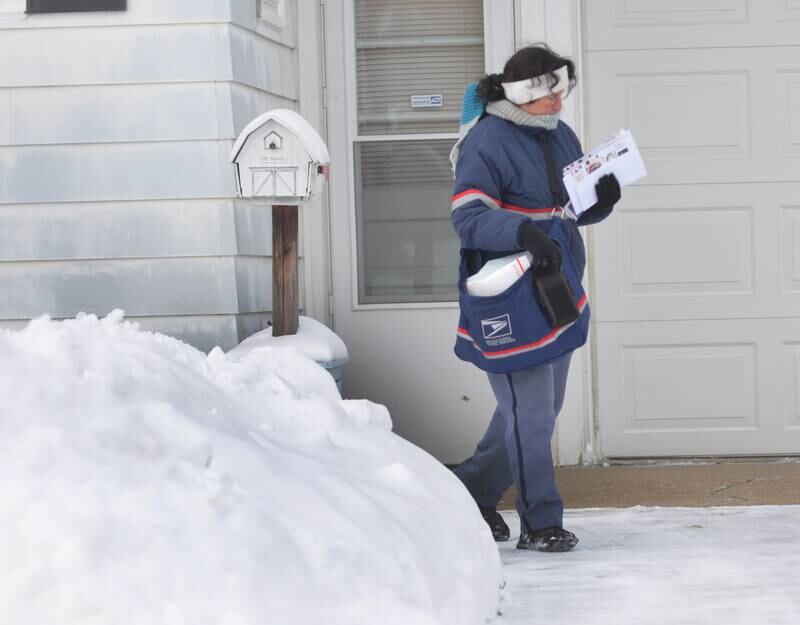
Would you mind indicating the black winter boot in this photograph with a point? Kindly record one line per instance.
(496, 523)
(550, 539)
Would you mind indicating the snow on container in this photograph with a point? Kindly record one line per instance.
(313, 338)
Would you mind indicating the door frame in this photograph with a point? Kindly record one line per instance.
(558, 23)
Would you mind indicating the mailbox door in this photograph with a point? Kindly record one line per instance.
(274, 181)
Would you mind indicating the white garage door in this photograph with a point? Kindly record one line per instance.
(697, 278)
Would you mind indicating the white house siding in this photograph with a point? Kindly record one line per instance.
(115, 185)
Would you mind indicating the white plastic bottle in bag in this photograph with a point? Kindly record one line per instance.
(498, 274)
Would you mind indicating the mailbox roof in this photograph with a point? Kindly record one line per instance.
(295, 122)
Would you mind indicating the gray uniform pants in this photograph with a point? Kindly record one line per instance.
(516, 445)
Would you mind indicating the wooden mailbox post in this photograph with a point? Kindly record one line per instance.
(284, 270)
(279, 158)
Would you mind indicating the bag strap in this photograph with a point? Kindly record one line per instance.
(555, 184)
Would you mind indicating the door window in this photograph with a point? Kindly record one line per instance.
(413, 60)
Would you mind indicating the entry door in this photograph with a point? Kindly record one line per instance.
(697, 275)
(395, 74)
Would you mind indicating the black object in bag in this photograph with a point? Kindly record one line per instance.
(556, 298)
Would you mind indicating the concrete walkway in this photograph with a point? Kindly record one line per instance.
(654, 566)
(712, 483)
(665, 543)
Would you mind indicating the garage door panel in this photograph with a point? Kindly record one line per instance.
(790, 249)
(788, 86)
(791, 385)
(702, 115)
(643, 24)
(690, 388)
(699, 388)
(699, 252)
(677, 12)
(717, 127)
(790, 9)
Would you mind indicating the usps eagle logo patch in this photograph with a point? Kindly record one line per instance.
(496, 327)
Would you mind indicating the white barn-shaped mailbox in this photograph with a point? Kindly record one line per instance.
(279, 156)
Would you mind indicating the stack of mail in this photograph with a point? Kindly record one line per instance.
(619, 155)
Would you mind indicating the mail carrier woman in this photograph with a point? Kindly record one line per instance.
(509, 199)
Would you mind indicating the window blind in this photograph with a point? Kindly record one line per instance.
(415, 48)
(410, 18)
(405, 162)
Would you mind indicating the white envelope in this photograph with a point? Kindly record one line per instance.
(619, 155)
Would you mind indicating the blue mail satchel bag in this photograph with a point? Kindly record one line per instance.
(511, 330)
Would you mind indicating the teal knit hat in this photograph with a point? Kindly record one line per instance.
(472, 109)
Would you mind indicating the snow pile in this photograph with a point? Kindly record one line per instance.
(313, 338)
(144, 482)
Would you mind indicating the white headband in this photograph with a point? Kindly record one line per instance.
(530, 89)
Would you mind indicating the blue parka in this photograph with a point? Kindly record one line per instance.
(502, 181)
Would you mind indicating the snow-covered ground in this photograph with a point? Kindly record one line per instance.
(145, 483)
(661, 566)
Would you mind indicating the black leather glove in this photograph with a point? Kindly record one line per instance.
(546, 255)
(608, 194)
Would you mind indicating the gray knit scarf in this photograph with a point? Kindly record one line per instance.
(511, 112)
